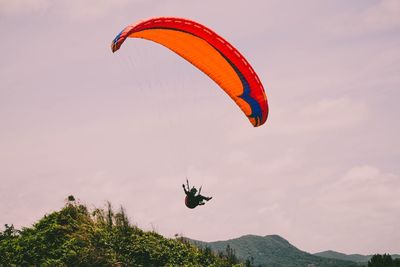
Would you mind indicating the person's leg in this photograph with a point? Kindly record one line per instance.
(204, 198)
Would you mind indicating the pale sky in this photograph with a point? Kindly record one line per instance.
(323, 172)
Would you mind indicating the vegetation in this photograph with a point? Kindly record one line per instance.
(75, 236)
(341, 256)
(352, 257)
(272, 250)
(384, 260)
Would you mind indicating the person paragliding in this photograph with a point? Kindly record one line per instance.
(194, 198)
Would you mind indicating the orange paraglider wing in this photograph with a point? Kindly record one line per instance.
(210, 53)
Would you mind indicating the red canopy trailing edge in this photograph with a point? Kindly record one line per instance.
(210, 53)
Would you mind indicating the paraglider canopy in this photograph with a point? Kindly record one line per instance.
(210, 53)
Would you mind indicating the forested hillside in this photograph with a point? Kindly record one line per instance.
(272, 250)
(77, 236)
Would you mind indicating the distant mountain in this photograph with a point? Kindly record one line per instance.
(272, 251)
(351, 257)
(341, 256)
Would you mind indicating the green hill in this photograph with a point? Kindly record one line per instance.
(272, 251)
(351, 257)
(75, 236)
(341, 256)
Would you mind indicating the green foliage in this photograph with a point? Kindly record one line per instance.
(361, 259)
(270, 250)
(341, 256)
(74, 236)
(384, 260)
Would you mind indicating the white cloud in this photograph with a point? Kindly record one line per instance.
(384, 15)
(93, 8)
(381, 16)
(363, 188)
(323, 115)
(12, 7)
(361, 204)
(75, 9)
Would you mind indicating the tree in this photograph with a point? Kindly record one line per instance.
(378, 260)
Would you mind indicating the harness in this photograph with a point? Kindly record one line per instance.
(191, 202)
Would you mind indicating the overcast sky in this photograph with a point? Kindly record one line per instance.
(323, 172)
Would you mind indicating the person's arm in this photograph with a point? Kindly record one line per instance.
(184, 189)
